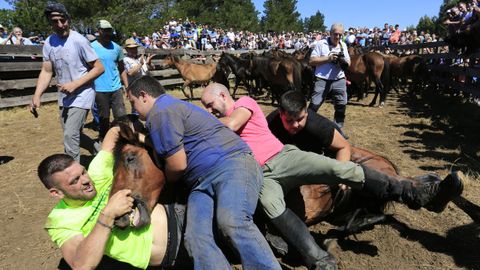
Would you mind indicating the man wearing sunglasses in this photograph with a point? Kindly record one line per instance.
(330, 58)
(76, 66)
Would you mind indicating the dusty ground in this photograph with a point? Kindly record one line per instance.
(416, 136)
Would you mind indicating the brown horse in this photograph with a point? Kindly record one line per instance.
(135, 170)
(191, 72)
(367, 67)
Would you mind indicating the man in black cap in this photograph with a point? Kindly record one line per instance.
(76, 66)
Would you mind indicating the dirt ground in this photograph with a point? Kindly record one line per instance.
(419, 135)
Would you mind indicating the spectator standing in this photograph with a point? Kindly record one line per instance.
(76, 66)
(136, 66)
(385, 34)
(329, 75)
(395, 36)
(108, 86)
(16, 38)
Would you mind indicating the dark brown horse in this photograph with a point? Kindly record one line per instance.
(134, 169)
(240, 68)
(369, 67)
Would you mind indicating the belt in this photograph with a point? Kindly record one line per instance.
(318, 78)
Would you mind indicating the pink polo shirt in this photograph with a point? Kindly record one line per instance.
(256, 133)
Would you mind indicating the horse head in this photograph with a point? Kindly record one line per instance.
(134, 169)
(169, 61)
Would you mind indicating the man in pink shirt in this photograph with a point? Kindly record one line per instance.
(286, 167)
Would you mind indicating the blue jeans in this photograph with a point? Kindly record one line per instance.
(228, 192)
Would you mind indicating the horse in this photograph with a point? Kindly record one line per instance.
(140, 170)
(134, 169)
(191, 72)
(240, 68)
(280, 74)
(366, 67)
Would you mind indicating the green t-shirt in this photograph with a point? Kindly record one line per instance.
(63, 222)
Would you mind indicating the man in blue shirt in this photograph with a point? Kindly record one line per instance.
(218, 168)
(108, 86)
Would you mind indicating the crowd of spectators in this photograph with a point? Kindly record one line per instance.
(186, 34)
(462, 16)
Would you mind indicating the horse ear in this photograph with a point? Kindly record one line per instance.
(126, 132)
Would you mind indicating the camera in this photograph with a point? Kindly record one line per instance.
(341, 61)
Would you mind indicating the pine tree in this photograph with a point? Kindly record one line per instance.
(281, 15)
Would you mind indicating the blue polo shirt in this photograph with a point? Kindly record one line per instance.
(109, 81)
(207, 142)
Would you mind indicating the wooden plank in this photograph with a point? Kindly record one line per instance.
(456, 70)
(21, 50)
(25, 100)
(164, 73)
(168, 82)
(20, 66)
(473, 90)
(21, 84)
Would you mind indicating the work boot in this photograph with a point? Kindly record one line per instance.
(448, 189)
(433, 194)
(296, 233)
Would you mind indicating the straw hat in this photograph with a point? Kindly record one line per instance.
(130, 43)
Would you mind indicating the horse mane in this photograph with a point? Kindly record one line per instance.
(127, 136)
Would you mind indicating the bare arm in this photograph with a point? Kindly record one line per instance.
(237, 119)
(341, 146)
(43, 82)
(175, 165)
(97, 70)
(86, 252)
(123, 73)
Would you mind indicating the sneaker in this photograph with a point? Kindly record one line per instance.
(448, 189)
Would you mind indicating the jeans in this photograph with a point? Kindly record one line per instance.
(72, 120)
(105, 101)
(339, 96)
(228, 193)
(291, 168)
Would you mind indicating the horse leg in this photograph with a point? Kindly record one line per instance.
(237, 82)
(191, 91)
(183, 90)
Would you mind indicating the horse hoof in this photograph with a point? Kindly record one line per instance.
(381, 105)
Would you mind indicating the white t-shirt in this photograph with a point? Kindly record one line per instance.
(130, 63)
(329, 71)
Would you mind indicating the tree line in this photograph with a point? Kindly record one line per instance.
(146, 16)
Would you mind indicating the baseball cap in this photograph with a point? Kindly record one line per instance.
(104, 24)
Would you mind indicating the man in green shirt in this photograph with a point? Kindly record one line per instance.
(82, 222)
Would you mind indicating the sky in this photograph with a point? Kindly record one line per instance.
(359, 13)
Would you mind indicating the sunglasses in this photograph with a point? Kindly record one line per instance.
(58, 20)
(337, 34)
